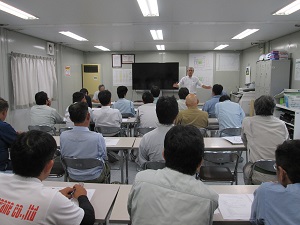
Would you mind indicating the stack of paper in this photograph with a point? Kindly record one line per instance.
(235, 140)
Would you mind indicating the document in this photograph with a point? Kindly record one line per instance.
(90, 192)
(111, 141)
(124, 120)
(235, 140)
(235, 206)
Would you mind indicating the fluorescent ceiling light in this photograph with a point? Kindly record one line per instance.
(102, 48)
(221, 47)
(16, 12)
(157, 34)
(160, 47)
(245, 33)
(72, 35)
(289, 9)
(149, 7)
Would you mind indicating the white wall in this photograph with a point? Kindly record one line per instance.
(230, 80)
(11, 41)
(289, 43)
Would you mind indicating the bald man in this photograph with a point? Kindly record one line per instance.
(192, 115)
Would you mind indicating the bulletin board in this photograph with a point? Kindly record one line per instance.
(203, 64)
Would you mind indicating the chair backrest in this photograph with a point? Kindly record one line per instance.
(203, 132)
(154, 165)
(108, 131)
(265, 166)
(143, 130)
(57, 169)
(82, 163)
(44, 128)
(64, 129)
(236, 131)
(127, 115)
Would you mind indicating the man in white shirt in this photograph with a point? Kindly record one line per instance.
(26, 200)
(77, 97)
(147, 113)
(190, 82)
(172, 195)
(152, 143)
(106, 116)
(182, 93)
(42, 113)
(95, 98)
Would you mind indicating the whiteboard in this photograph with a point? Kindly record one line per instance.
(203, 64)
(228, 62)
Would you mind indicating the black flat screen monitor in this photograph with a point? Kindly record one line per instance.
(163, 75)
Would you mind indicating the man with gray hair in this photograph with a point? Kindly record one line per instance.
(261, 135)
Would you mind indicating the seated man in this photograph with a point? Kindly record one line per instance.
(80, 142)
(209, 106)
(123, 105)
(42, 113)
(182, 93)
(152, 143)
(173, 195)
(76, 97)
(261, 134)
(87, 97)
(7, 136)
(192, 115)
(95, 99)
(27, 200)
(106, 116)
(229, 114)
(146, 114)
(155, 91)
(278, 203)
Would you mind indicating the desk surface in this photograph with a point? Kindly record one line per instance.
(211, 144)
(102, 199)
(123, 143)
(119, 212)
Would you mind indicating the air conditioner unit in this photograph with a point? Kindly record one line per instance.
(91, 77)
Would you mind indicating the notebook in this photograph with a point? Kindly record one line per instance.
(235, 140)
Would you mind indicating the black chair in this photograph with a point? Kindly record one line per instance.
(264, 166)
(220, 172)
(203, 132)
(141, 131)
(127, 115)
(57, 169)
(227, 132)
(154, 165)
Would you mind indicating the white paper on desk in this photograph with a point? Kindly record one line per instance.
(124, 120)
(90, 192)
(111, 141)
(235, 140)
(235, 206)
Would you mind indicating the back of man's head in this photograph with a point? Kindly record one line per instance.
(217, 89)
(288, 157)
(166, 110)
(31, 152)
(183, 92)
(3, 105)
(264, 105)
(191, 101)
(78, 112)
(84, 91)
(122, 91)
(155, 91)
(183, 149)
(224, 98)
(147, 97)
(104, 97)
(78, 96)
(41, 98)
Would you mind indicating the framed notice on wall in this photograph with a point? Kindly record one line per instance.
(116, 61)
(128, 59)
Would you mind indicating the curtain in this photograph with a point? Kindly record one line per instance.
(31, 74)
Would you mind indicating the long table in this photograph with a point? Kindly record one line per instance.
(120, 214)
(102, 199)
(124, 144)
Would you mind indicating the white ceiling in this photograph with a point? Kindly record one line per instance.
(120, 26)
